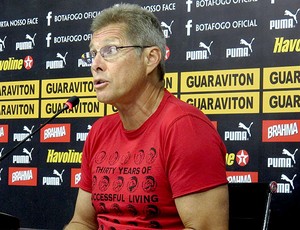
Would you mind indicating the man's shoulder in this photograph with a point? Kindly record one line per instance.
(178, 107)
(175, 109)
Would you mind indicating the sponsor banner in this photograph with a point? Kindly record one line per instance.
(281, 101)
(284, 77)
(52, 17)
(24, 158)
(280, 131)
(242, 49)
(63, 157)
(55, 133)
(20, 136)
(242, 177)
(19, 90)
(285, 23)
(224, 103)
(286, 183)
(60, 39)
(171, 82)
(286, 160)
(56, 179)
(81, 136)
(22, 176)
(3, 134)
(241, 158)
(75, 177)
(284, 45)
(27, 44)
(161, 7)
(206, 3)
(67, 87)
(221, 25)
(19, 109)
(243, 134)
(87, 107)
(220, 80)
(14, 64)
(19, 22)
(111, 109)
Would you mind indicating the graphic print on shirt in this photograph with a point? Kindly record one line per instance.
(123, 184)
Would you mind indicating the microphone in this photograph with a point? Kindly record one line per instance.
(69, 104)
(72, 102)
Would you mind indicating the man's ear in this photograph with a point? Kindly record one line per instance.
(153, 58)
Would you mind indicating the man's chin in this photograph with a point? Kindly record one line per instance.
(103, 99)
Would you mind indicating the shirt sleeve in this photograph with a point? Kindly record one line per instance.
(195, 156)
(86, 180)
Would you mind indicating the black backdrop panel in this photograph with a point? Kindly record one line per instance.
(248, 49)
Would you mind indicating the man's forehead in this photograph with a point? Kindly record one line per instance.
(115, 28)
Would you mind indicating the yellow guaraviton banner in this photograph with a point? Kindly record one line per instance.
(67, 87)
(19, 90)
(287, 101)
(87, 107)
(19, 109)
(285, 77)
(171, 82)
(111, 109)
(224, 103)
(220, 80)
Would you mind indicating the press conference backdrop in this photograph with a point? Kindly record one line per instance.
(236, 60)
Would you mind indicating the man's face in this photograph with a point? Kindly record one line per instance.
(119, 78)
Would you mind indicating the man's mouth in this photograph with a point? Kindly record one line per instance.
(99, 82)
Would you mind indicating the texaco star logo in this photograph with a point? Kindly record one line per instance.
(28, 62)
(168, 53)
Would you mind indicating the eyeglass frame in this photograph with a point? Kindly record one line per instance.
(93, 53)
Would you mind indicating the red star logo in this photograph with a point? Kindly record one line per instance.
(168, 53)
(242, 157)
(28, 62)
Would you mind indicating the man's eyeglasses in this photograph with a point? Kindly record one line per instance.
(106, 52)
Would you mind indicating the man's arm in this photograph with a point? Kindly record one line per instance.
(207, 210)
(84, 217)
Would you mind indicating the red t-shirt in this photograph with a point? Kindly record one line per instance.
(134, 176)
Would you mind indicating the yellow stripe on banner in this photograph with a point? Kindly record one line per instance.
(19, 109)
(68, 87)
(171, 82)
(281, 77)
(19, 90)
(224, 103)
(220, 80)
(281, 101)
(87, 107)
(111, 109)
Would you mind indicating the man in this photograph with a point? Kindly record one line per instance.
(157, 163)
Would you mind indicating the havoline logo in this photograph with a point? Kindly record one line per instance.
(283, 45)
(12, 63)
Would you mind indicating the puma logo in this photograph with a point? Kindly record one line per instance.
(290, 14)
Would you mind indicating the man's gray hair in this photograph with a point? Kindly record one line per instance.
(142, 27)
